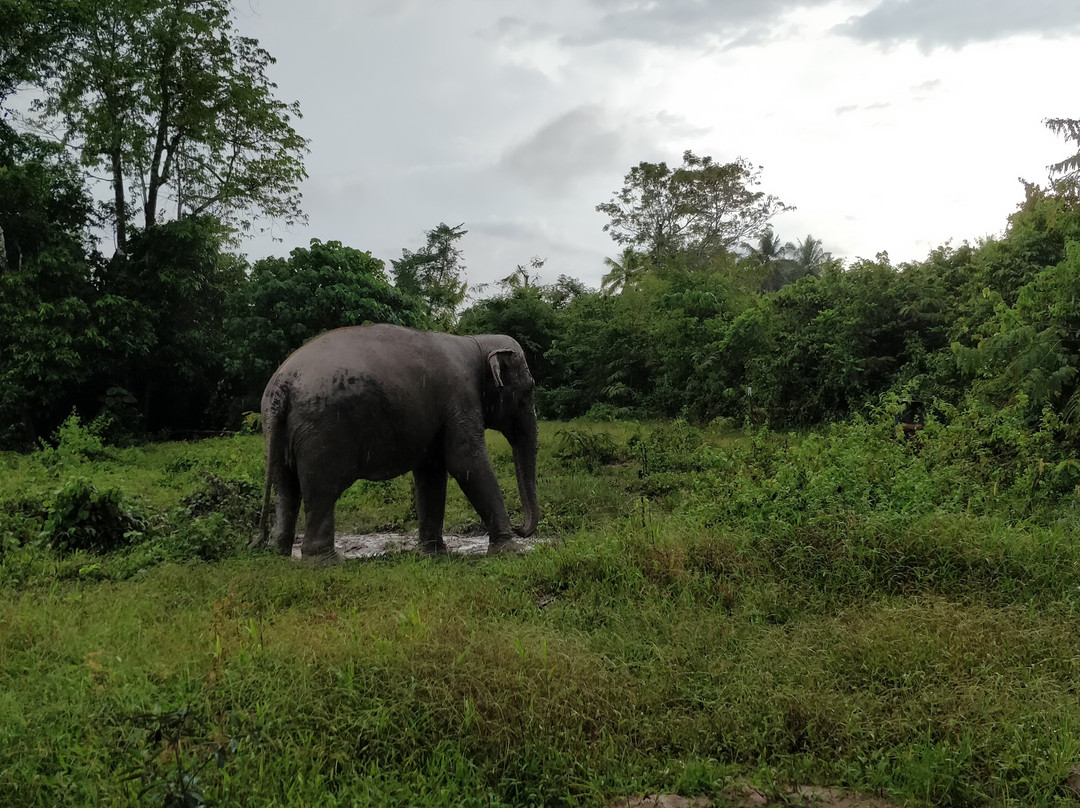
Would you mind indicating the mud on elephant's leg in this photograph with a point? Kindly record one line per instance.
(429, 485)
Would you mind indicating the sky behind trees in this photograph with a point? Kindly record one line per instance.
(890, 124)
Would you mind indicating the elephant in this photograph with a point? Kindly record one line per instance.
(376, 401)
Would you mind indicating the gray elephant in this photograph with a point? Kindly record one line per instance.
(373, 402)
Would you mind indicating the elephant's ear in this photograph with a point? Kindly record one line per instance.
(493, 361)
(509, 361)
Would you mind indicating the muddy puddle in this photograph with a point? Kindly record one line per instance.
(374, 544)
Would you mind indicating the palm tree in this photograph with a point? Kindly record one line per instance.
(624, 272)
(772, 254)
(809, 258)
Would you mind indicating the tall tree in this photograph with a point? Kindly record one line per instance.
(700, 208)
(624, 271)
(1069, 128)
(810, 257)
(176, 106)
(773, 256)
(433, 274)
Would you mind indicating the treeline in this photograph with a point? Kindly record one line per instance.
(995, 324)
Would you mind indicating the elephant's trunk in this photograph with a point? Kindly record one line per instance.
(525, 466)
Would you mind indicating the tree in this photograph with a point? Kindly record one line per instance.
(28, 37)
(49, 317)
(286, 302)
(433, 274)
(1068, 128)
(524, 276)
(175, 106)
(167, 346)
(700, 208)
(623, 272)
(773, 256)
(809, 258)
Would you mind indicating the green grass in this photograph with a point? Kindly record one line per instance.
(713, 606)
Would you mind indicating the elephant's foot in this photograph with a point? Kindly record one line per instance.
(434, 548)
(329, 558)
(504, 547)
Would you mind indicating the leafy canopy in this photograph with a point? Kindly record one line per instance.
(175, 106)
(701, 208)
(434, 274)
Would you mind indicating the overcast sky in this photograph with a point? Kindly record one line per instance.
(892, 125)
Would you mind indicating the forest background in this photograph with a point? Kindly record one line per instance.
(705, 312)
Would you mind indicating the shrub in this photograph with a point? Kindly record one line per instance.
(237, 501)
(74, 444)
(81, 517)
(206, 538)
(589, 449)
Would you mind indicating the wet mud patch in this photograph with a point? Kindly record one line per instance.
(367, 545)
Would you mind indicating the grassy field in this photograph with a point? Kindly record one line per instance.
(714, 607)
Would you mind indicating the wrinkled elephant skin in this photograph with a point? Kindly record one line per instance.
(374, 402)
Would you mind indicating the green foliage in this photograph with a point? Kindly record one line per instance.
(74, 444)
(700, 209)
(841, 607)
(187, 536)
(82, 517)
(51, 329)
(1031, 350)
(589, 450)
(168, 98)
(434, 275)
(1068, 170)
(237, 501)
(286, 302)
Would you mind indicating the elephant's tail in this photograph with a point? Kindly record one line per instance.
(274, 410)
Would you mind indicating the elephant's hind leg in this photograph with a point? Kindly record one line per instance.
(319, 523)
(286, 509)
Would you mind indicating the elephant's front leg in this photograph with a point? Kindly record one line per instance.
(469, 464)
(429, 483)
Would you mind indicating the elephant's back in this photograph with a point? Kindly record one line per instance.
(376, 369)
(381, 350)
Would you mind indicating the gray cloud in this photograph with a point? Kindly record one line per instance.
(937, 24)
(682, 22)
(577, 143)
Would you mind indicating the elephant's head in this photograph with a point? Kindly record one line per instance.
(509, 408)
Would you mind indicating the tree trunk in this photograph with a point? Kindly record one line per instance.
(119, 203)
(3, 252)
